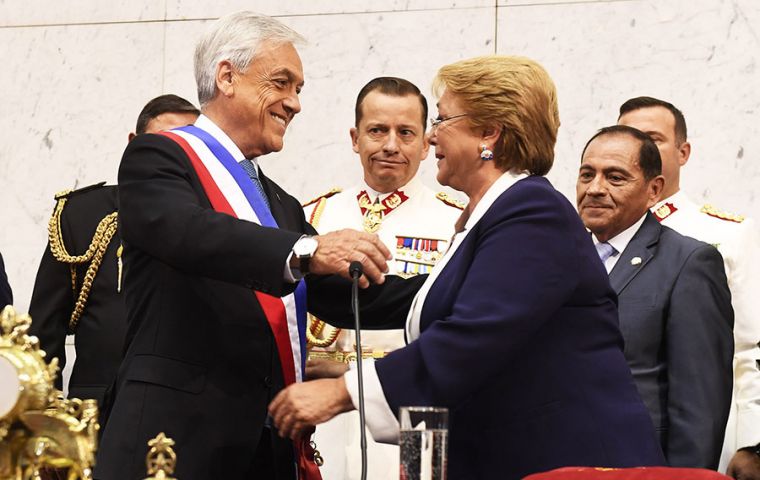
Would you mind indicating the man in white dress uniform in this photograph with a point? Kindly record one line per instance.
(738, 241)
(412, 220)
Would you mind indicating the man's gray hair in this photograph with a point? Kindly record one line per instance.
(235, 38)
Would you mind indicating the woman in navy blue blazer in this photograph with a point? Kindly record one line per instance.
(516, 329)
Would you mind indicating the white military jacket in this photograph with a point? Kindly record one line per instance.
(416, 226)
(738, 241)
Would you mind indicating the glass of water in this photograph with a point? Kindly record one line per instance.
(424, 441)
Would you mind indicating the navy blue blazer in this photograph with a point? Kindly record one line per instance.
(520, 340)
(677, 322)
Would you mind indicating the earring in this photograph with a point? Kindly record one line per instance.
(485, 153)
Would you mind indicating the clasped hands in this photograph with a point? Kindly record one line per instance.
(336, 250)
(301, 406)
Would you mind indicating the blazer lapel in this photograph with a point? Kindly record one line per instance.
(637, 254)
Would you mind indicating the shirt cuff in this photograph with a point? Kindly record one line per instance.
(381, 421)
(291, 275)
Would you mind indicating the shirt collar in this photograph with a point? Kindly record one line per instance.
(622, 239)
(205, 123)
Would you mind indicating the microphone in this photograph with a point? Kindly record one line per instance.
(355, 271)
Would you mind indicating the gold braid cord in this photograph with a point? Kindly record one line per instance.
(317, 326)
(104, 232)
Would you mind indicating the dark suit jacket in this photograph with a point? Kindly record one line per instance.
(519, 339)
(677, 321)
(201, 363)
(6, 296)
(100, 332)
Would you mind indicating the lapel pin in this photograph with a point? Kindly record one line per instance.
(636, 261)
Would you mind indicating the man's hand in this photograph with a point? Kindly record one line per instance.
(337, 250)
(744, 466)
(323, 368)
(303, 405)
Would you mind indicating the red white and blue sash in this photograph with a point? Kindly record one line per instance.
(230, 191)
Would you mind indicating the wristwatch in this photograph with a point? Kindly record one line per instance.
(303, 250)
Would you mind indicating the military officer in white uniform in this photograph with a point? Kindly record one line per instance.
(738, 241)
(411, 219)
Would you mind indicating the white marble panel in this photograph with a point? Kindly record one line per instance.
(192, 9)
(702, 56)
(512, 3)
(345, 52)
(71, 96)
(54, 12)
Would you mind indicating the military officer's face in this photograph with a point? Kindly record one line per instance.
(612, 193)
(390, 140)
(660, 125)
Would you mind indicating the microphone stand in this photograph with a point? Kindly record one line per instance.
(355, 270)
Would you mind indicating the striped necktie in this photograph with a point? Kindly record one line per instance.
(250, 169)
(605, 250)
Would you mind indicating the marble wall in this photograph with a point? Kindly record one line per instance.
(74, 78)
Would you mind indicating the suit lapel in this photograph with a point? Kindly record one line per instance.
(275, 202)
(637, 254)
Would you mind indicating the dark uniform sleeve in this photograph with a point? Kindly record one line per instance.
(6, 296)
(50, 308)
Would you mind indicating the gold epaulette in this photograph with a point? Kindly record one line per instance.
(70, 193)
(104, 232)
(329, 194)
(714, 212)
(450, 201)
(320, 201)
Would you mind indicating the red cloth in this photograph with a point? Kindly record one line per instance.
(640, 473)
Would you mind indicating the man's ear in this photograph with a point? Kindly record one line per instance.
(354, 139)
(225, 73)
(425, 146)
(683, 153)
(655, 188)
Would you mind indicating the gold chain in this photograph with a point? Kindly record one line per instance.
(104, 232)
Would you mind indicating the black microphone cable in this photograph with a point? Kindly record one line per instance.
(355, 270)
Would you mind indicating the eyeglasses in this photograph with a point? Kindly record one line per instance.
(435, 122)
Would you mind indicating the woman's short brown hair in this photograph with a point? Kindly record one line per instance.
(515, 93)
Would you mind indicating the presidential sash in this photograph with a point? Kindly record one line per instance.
(231, 191)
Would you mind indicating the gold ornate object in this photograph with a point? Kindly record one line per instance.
(161, 459)
(27, 381)
(104, 232)
(39, 429)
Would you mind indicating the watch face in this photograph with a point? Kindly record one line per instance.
(305, 247)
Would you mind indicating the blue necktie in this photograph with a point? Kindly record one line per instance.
(605, 250)
(250, 169)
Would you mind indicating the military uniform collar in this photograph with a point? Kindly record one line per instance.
(410, 190)
(679, 199)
